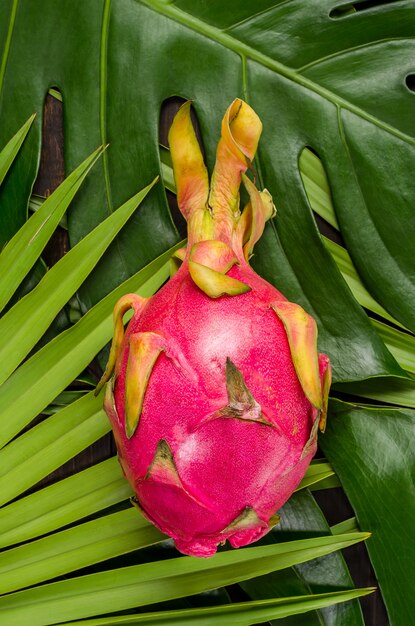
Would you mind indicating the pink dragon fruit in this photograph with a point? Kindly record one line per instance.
(216, 391)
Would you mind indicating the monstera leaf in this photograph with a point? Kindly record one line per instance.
(327, 78)
(283, 57)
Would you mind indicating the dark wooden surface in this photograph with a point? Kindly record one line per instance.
(333, 502)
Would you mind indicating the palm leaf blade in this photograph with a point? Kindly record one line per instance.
(47, 446)
(366, 463)
(62, 503)
(72, 549)
(158, 581)
(56, 365)
(11, 149)
(22, 251)
(238, 614)
(38, 308)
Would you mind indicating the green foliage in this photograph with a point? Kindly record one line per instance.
(145, 584)
(322, 75)
(34, 454)
(366, 446)
(236, 614)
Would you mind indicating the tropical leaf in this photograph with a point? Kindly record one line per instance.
(114, 78)
(63, 503)
(48, 445)
(271, 77)
(23, 250)
(40, 306)
(42, 377)
(78, 496)
(145, 584)
(11, 149)
(242, 614)
(372, 452)
(394, 391)
(300, 518)
(347, 526)
(74, 548)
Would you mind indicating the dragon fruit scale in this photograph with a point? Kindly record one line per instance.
(215, 391)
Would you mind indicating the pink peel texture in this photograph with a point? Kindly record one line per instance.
(209, 395)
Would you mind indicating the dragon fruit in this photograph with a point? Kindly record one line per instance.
(215, 391)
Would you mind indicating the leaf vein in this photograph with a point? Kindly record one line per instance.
(230, 42)
(329, 57)
(392, 257)
(7, 44)
(103, 96)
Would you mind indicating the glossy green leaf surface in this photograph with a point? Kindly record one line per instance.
(80, 62)
(23, 250)
(62, 503)
(11, 149)
(350, 275)
(74, 548)
(140, 585)
(64, 399)
(318, 77)
(42, 377)
(275, 77)
(317, 187)
(17, 185)
(238, 614)
(316, 472)
(400, 344)
(373, 454)
(386, 391)
(47, 446)
(347, 526)
(38, 308)
(301, 517)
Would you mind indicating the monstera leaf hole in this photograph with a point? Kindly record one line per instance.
(312, 168)
(52, 165)
(356, 7)
(410, 82)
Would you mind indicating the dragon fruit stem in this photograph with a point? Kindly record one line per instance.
(213, 215)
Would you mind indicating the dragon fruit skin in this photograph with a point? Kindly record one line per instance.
(217, 389)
